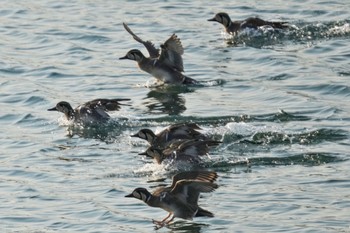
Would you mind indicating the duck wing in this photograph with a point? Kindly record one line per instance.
(196, 147)
(180, 131)
(105, 104)
(255, 22)
(153, 52)
(203, 176)
(187, 125)
(189, 190)
(171, 52)
(207, 176)
(174, 44)
(182, 128)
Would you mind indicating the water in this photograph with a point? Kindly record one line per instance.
(279, 101)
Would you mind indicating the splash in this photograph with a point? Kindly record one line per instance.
(63, 121)
(296, 33)
(152, 169)
(341, 30)
(211, 83)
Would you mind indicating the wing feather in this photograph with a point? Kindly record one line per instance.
(153, 52)
(171, 53)
(195, 175)
(189, 190)
(105, 104)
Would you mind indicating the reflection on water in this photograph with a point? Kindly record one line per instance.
(270, 162)
(184, 226)
(166, 99)
(106, 132)
(170, 99)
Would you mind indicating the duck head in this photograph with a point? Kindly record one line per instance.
(222, 18)
(134, 54)
(140, 193)
(145, 134)
(65, 108)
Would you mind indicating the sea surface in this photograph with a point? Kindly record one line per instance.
(278, 100)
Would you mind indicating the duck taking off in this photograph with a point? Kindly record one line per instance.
(181, 198)
(233, 27)
(166, 66)
(90, 112)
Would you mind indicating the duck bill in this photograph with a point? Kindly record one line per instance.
(52, 109)
(129, 195)
(134, 135)
(144, 153)
(213, 19)
(123, 58)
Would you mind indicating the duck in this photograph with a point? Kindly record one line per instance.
(89, 112)
(166, 66)
(172, 132)
(180, 199)
(181, 150)
(233, 27)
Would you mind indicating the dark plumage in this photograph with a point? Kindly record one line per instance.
(89, 112)
(182, 150)
(172, 132)
(181, 198)
(166, 66)
(233, 27)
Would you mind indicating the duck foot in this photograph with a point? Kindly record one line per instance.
(159, 224)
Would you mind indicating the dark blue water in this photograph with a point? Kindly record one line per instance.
(278, 100)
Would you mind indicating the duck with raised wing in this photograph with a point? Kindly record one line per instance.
(181, 198)
(173, 132)
(90, 112)
(233, 27)
(181, 150)
(167, 66)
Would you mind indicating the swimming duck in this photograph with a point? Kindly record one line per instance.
(181, 150)
(232, 27)
(173, 132)
(181, 198)
(167, 66)
(90, 112)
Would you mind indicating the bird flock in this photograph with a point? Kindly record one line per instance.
(181, 142)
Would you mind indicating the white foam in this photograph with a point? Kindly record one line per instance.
(340, 30)
(62, 121)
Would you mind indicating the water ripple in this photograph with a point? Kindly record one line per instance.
(278, 101)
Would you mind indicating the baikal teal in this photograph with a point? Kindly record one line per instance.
(277, 100)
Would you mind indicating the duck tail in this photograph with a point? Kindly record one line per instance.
(280, 25)
(188, 80)
(203, 213)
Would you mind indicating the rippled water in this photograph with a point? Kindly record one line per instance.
(278, 100)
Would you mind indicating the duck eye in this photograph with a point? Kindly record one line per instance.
(163, 195)
(137, 195)
(136, 56)
(144, 197)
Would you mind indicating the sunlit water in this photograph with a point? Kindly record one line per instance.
(278, 101)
